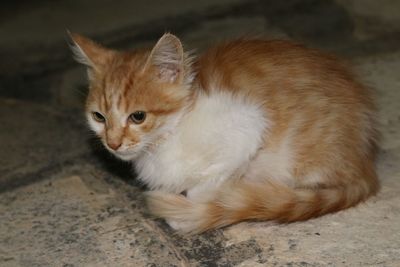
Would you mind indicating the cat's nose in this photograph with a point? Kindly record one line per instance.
(114, 145)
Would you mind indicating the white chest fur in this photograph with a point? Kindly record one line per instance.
(211, 143)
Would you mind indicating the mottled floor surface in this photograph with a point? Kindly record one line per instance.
(64, 202)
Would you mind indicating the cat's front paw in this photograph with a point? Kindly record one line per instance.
(180, 213)
(178, 225)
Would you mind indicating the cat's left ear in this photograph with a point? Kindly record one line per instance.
(89, 53)
(167, 58)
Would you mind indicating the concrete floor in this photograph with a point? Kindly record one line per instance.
(65, 202)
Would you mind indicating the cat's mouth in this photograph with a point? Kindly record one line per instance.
(126, 154)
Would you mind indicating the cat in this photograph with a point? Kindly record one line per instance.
(251, 129)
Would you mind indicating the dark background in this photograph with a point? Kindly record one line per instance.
(34, 52)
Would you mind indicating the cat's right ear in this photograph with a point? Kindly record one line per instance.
(168, 58)
(89, 53)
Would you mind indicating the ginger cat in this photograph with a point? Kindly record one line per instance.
(250, 130)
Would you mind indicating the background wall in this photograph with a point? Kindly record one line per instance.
(34, 52)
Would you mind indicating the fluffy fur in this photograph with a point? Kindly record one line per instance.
(251, 129)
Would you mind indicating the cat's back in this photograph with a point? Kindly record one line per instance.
(265, 66)
(299, 88)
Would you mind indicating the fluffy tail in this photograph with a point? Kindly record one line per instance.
(244, 201)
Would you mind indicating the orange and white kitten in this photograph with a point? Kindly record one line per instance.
(250, 130)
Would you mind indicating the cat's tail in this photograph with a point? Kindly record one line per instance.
(248, 201)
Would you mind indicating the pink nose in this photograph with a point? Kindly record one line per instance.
(114, 146)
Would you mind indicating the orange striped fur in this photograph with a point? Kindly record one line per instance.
(314, 142)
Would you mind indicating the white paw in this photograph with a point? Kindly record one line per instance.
(179, 225)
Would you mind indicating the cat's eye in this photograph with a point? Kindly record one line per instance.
(98, 117)
(138, 116)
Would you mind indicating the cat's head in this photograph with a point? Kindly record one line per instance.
(135, 98)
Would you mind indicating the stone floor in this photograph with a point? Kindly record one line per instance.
(65, 202)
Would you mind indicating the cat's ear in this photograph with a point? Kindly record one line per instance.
(167, 58)
(89, 53)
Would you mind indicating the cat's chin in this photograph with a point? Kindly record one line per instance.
(125, 155)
